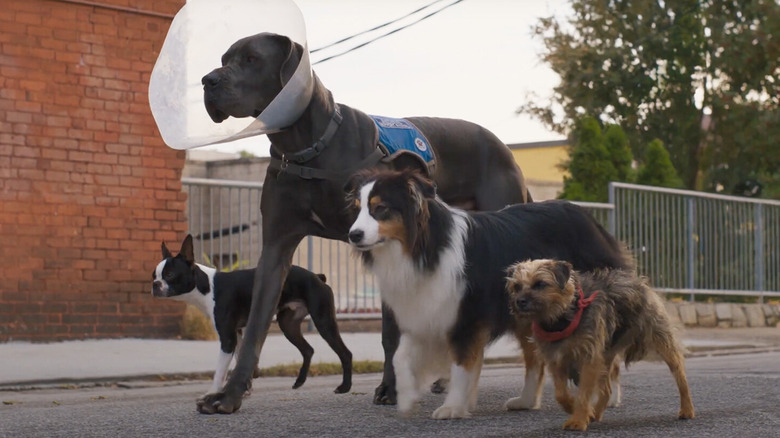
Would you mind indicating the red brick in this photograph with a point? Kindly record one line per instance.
(78, 146)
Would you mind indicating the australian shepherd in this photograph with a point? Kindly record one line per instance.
(442, 272)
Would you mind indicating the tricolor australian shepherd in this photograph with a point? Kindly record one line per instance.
(442, 272)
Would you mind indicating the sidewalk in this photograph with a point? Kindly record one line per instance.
(27, 364)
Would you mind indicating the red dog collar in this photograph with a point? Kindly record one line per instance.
(582, 303)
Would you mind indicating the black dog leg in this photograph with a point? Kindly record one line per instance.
(271, 271)
(323, 315)
(385, 393)
(291, 327)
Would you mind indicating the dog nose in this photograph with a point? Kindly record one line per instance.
(157, 288)
(211, 79)
(521, 303)
(355, 236)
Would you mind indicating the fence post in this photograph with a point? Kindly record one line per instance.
(691, 259)
(611, 213)
(310, 253)
(758, 224)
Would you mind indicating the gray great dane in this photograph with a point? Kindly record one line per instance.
(303, 192)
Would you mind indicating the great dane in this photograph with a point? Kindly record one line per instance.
(303, 192)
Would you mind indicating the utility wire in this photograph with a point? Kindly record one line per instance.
(386, 34)
(374, 28)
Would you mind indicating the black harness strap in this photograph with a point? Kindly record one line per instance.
(315, 149)
(290, 163)
(314, 173)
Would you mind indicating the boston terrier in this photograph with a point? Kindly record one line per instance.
(225, 297)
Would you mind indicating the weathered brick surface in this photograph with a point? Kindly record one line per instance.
(87, 187)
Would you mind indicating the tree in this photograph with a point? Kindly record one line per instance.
(702, 76)
(590, 165)
(657, 168)
(619, 151)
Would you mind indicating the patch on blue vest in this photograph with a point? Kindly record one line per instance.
(400, 136)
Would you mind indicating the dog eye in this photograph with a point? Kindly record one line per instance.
(249, 59)
(169, 276)
(540, 285)
(381, 209)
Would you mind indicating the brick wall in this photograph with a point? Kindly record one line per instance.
(87, 187)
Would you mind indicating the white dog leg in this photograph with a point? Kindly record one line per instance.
(531, 397)
(406, 374)
(223, 362)
(461, 389)
(617, 393)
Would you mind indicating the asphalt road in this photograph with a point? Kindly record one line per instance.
(734, 396)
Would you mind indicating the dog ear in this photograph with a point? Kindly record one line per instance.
(510, 270)
(420, 185)
(355, 182)
(562, 272)
(187, 251)
(165, 253)
(294, 53)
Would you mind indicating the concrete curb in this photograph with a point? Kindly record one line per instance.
(724, 315)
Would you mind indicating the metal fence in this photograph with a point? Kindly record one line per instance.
(699, 243)
(224, 219)
(685, 242)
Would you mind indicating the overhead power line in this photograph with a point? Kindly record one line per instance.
(374, 28)
(352, 49)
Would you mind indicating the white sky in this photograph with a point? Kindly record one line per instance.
(474, 61)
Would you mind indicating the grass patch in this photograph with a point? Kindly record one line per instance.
(322, 369)
(196, 326)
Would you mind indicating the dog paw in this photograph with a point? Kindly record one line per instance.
(615, 398)
(298, 383)
(439, 386)
(449, 412)
(520, 404)
(385, 395)
(407, 402)
(685, 414)
(218, 403)
(343, 388)
(575, 424)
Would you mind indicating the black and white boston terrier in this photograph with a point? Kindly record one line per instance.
(225, 297)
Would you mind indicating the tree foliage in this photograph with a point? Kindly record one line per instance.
(616, 141)
(657, 168)
(590, 166)
(598, 156)
(702, 76)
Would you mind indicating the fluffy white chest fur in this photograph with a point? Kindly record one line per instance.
(425, 302)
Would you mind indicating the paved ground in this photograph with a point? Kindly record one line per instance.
(735, 395)
(27, 364)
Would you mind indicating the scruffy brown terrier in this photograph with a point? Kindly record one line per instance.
(584, 323)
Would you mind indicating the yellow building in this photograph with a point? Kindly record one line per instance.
(539, 162)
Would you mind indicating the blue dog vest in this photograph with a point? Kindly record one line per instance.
(400, 136)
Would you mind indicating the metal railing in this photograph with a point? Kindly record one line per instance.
(700, 243)
(685, 242)
(602, 212)
(224, 219)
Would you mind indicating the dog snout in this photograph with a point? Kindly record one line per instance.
(157, 289)
(212, 79)
(356, 236)
(522, 303)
